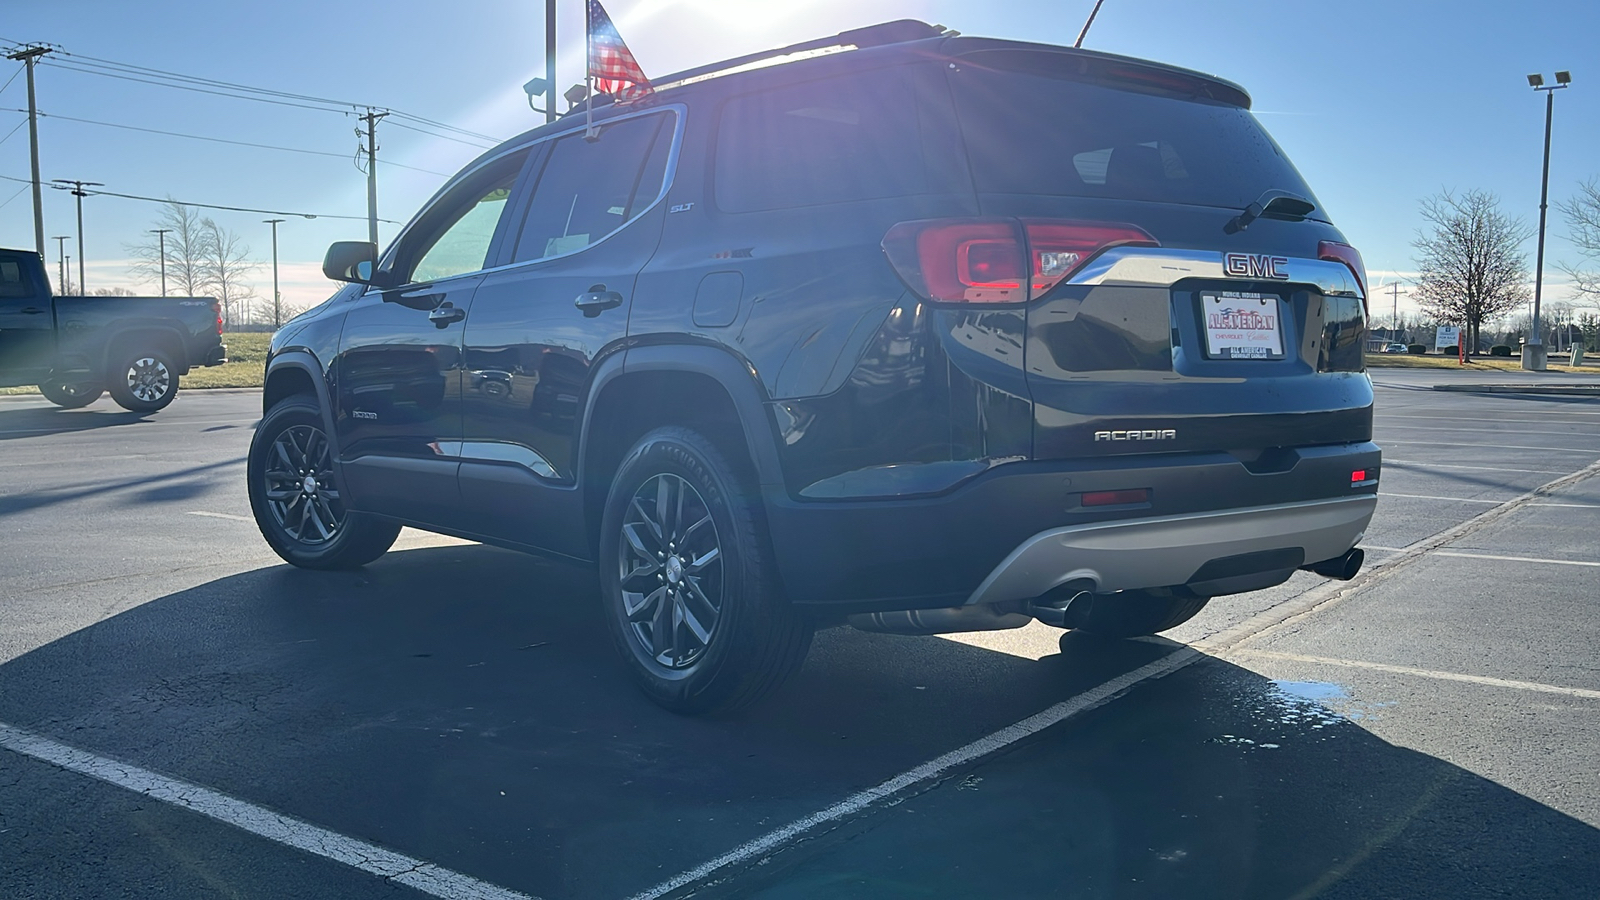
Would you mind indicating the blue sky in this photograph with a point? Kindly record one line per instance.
(1378, 103)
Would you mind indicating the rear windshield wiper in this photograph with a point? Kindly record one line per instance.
(1274, 204)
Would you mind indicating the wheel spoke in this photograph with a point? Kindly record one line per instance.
(700, 632)
(281, 495)
(647, 568)
(654, 528)
(633, 604)
(660, 623)
(707, 559)
(663, 503)
(699, 595)
(636, 540)
(689, 532)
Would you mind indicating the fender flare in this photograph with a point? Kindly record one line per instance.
(306, 362)
(736, 376)
(130, 331)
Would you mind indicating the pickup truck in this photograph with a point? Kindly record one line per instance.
(76, 348)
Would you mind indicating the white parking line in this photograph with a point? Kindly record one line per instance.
(1422, 465)
(212, 515)
(276, 827)
(1531, 559)
(1587, 451)
(1422, 673)
(1432, 497)
(930, 770)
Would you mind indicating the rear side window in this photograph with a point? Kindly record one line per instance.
(14, 280)
(1031, 131)
(589, 189)
(856, 137)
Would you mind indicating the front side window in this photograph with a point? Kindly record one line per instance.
(454, 238)
(13, 284)
(589, 189)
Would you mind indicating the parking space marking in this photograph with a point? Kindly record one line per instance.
(1589, 451)
(1479, 429)
(1432, 497)
(1529, 559)
(930, 770)
(276, 827)
(212, 515)
(1422, 465)
(1584, 693)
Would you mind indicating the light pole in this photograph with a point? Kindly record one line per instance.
(61, 254)
(277, 306)
(1533, 354)
(78, 191)
(161, 236)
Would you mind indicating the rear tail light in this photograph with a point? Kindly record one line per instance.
(998, 260)
(216, 308)
(1351, 257)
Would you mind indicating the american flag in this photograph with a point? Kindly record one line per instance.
(611, 63)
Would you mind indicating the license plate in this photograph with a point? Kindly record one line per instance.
(1241, 325)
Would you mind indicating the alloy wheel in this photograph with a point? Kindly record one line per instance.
(149, 379)
(672, 573)
(300, 489)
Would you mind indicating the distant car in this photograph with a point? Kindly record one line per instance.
(1394, 347)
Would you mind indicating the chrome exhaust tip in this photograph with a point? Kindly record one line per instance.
(1341, 568)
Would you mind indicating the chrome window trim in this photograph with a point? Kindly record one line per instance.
(680, 116)
(1164, 267)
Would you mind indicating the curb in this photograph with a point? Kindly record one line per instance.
(1570, 390)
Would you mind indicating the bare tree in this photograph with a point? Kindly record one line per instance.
(1582, 213)
(225, 264)
(185, 247)
(114, 292)
(1470, 261)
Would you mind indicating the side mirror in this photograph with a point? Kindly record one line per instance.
(351, 261)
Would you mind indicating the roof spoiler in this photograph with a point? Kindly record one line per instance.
(899, 31)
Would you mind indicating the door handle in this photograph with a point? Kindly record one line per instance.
(31, 311)
(445, 314)
(597, 300)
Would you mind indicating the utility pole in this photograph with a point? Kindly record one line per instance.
(277, 304)
(28, 56)
(61, 260)
(550, 59)
(79, 192)
(371, 118)
(1394, 324)
(161, 235)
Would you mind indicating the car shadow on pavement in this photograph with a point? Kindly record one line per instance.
(181, 484)
(464, 705)
(36, 421)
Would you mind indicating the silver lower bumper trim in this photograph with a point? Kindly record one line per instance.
(1160, 552)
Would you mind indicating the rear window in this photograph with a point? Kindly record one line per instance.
(838, 139)
(1032, 131)
(14, 281)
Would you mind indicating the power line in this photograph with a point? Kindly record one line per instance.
(16, 195)
(16, 129)
(201, 137)
(445, 137)
(197, 90)
(269, 212)
(11, 79)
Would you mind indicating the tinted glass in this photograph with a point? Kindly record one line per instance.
(590, 189)
(849, 138)
(455, 236)
(1029, 131)
(13, 283)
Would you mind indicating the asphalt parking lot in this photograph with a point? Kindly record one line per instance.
(184, 716)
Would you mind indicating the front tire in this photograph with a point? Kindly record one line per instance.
(143, 381)
(689, 586)
(298, 503)
(71, 396)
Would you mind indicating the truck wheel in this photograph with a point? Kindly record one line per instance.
(689, 586)
(297, 502)
(143, 381)
(71, 396)
(1135, 613)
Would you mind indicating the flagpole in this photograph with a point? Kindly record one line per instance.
(588, 79)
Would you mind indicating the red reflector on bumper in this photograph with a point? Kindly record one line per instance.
(1358, 475)
(1116, 498)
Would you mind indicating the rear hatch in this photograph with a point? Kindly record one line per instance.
(1190, 333)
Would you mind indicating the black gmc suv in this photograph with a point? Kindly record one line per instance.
(900, 328)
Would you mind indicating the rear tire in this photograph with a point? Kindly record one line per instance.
(143, 380)
(71, 396)
(1137, 613)
(297, 502)
(690, 590)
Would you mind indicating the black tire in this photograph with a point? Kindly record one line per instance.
(755, 639)
(1136, 613)
(297, 503)
(143, 380)
(71, 396)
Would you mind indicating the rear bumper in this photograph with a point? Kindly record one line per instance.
(1173, 550)
(926, 552)
(216, 356)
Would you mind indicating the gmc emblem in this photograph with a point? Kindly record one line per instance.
(1154, 434)
(1255, 265)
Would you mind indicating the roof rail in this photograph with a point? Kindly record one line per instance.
(897, 32)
